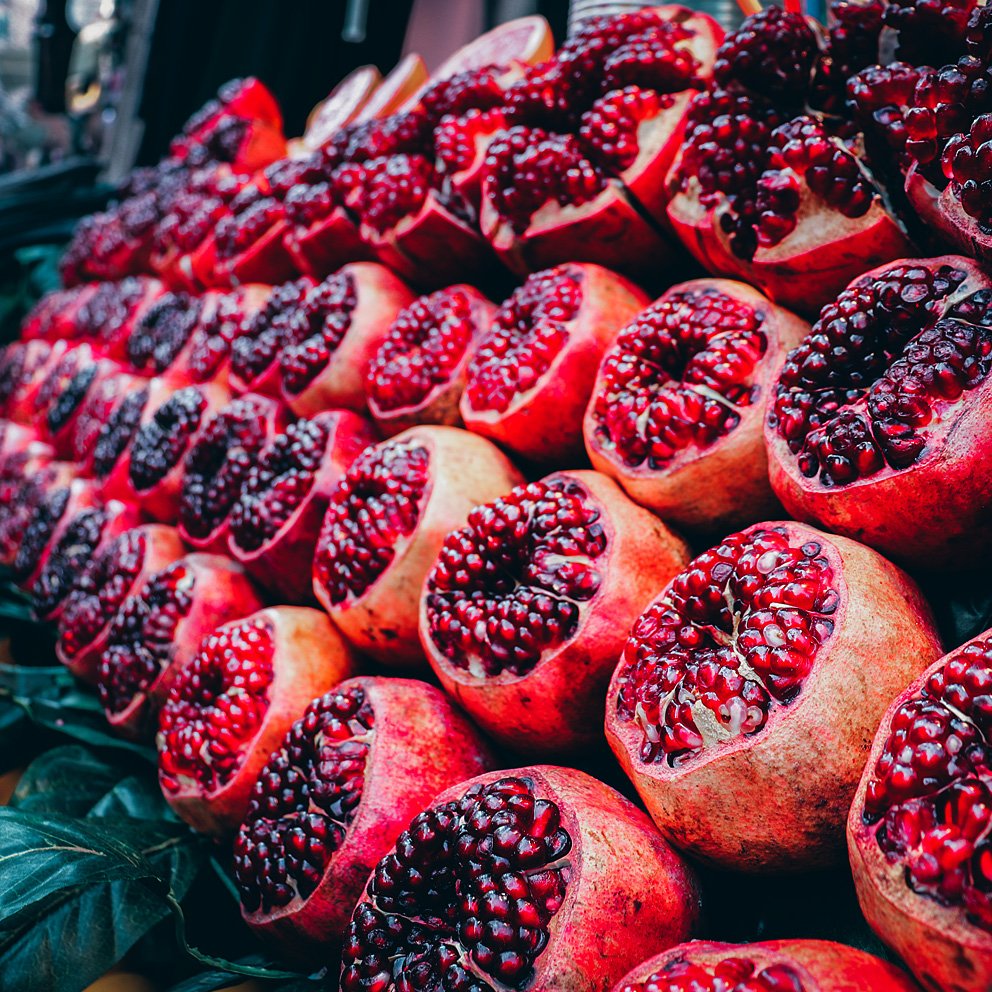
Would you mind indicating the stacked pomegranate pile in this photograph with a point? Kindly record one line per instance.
(354, 543)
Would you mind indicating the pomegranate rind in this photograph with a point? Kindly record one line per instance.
(855, 674)
(401, 82)
(327, 244)
(341, 106)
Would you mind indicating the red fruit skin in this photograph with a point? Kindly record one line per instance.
(325, 245)
(465, 471)
(820, 965)
(39, 359)
(942, 212)
(544, 424)
(283, 564)
(340, 385)
(724, 485)
(421, 745)
(926, 515)
(629, 893)
(802, 767)
(309, 658)
(52, 318)
(162, 547)
(221, 592)
(944, 951)
(555, 708)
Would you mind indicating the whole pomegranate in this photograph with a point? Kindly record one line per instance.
(358, 765)
(528, 606)
(769, 966)
(384, 526)
(919, 827)
(530, 872)
(677, 411)
(229, 708)
(764, 666)
(531, 374)
(877, 425)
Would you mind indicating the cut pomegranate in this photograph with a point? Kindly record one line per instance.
(157, 630)
(919, 827)
(118, 569)
(384, 527)
(108, 315)
(677, 412)
(276, 520)
(419, 372)
(53, 317)
(770, 966)
(531, 375)
(878, 428)
(778, 636)
(334, 335)
(161, 332)
(231, 706)
(216, 466)
(99, 408)
(358, 765)
(528, 606)
(24, 368)
(525, 890)
(403, 80)
(341, 106)
(27, 477)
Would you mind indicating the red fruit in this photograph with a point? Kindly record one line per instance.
(766, 662)
(24, 367)
(402, 81)
(157, 631)
(531, 870)
(26, 478)
(878, 428)
(216, 465)
(15, 439)
(677, 412)
(118, 569)
(341, 106)
(384, 527)
(528, 606)
(771, 966)
(52, 318)
(335, 334)
(419, 372)
(332, 800)
(162, 331)
(108, 315)
(99, 408)
(231, 706)
(276, 520)
(919, 828)
(530, 376)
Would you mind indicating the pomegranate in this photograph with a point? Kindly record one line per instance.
(341, 106)
(216, 465)
(876, 427)
(27, 478)
(101, 405)
(419, 372)
(385, 523)
(918, 831)
(157, 631)
(275, 522)
(405, 79)
(530, 376)
(769, 966)
(161, 332)
(24, 368)
(118, 569)
(677, 412)
(528, 606)
(580, 173)
(53, 317)
(335, 334)
(352, 772)
(530, 872)
(767, 661)
(230, 707)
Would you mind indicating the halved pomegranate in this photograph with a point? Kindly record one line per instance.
(230, 707)
(406, 78)
(108, 315)
(352, 772)
(530, 376)
(769, 966)
(117, 570)
(27, 477)
(341, 106)
(53, 317)
(217, 463)
(99, 408)
(528, 606)
(530, 871)
(335, 333)
(384, 527)
(276, 520)
(161, 332)
(763, 667)
(419, 372)
(920, 828)
(24, 367)
(157, 631)
(878, 425)
(677, 412)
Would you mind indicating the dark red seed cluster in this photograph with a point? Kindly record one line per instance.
(69, 399)
(212, 338)
(70, 554)
(268, 332)
(116, 434)
(45, 518)
(160, 444)
(495, 860)
(105, 311)
(733, 638)
(735, 974)
(304, 801)
(162, 332)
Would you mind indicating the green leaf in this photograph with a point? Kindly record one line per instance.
(68, 780)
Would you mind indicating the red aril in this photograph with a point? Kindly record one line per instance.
(24, 367)
(27, 477)
(161, 332)
(97, 409)
(53, 317)
(108, 314)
